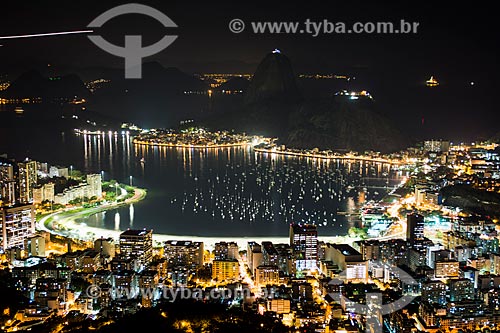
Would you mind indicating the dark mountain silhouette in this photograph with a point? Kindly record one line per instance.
(273, 81)
(495, 138)
(32, 84)
(309, 116)
(344, 123)
(162, 98)
(235, 84)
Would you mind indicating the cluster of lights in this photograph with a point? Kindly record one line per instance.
(354, 94)
(87, 132)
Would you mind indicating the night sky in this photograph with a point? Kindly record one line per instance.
(458, 44)
(457, 38)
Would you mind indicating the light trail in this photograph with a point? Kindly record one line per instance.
(48, 34)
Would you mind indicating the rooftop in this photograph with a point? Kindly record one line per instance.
(181, 243)
(297, 228)
(132, 232)
(346, 250)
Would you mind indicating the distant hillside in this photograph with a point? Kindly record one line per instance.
(160, 99)
(343, 123)
(33, 84)
(475, 200)
(235, 83)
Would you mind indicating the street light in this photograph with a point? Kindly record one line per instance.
(102, 174)
(130, 180)
(70, 170)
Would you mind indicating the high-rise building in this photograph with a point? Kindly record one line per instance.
(35, 246)
(461, 290)
(269, 254)
(370, 249)
(438, 255)
(415, 229)
(7, 184)
(49, 192)
(137, 244)
(285, 258)
(435, 292)
(27, 179)
(436, 146)
(8, 191)
(184, 253)
(429, 251)
(226, 250)
(495, 263)
(6, 171)
(254, 256)
(18, 223)
(95, 183)
(225, 270)
(43, 193)
(304, 242)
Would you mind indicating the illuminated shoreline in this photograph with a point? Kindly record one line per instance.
(178, 145)
(326, 157)
(81, 231)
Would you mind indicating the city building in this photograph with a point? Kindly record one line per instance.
(148, 282)
(8, 190)
(105, 247)
(438, 255)
(90, 261)
(27, 179)
(225, 270)
(269, 254)
(495, 263)
(304, 243)
(7, 183)
(279, 305)
(415, 230)
(137, 244)
(95, 183)
(435, 292)
(43, 193)
(349, 261)
(369, 249)
(84, 191)
(226, 250)
(267, 275)
(57, 171)
(429, 254)
(184, 253)
(447, 269)
(18, 223)
(461, 290)
(436, 146)
(285, 258)
(254, 256)
(34, 246)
